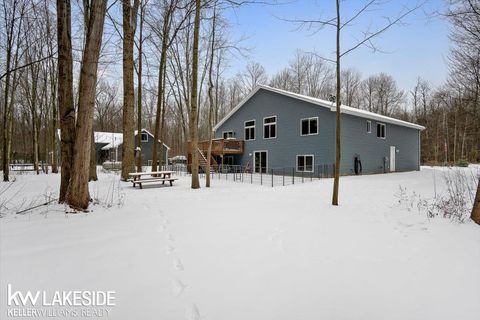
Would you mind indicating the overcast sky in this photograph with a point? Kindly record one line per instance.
(417, 48)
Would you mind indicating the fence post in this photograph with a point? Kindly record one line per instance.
(311, 175)
(272, 177)
(303, 174)
(284, 176)
(293, 175)
(251, 176)
(261, 176)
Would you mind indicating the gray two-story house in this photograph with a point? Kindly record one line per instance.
(281, 129)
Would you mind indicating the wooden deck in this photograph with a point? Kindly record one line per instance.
(220, 146)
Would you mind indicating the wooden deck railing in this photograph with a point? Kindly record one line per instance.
(220, 146)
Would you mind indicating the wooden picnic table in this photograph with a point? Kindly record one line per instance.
(155, 176)
(162, 174)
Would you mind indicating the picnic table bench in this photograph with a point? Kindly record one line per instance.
(155, 177)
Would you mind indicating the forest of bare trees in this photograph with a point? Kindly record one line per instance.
(60, 69)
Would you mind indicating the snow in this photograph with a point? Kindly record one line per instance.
(245, 251)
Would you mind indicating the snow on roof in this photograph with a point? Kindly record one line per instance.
(116, 139)
(323, 103)
(112, 139)
(178, 158)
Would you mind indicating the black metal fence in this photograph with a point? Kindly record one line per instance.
(263, 176)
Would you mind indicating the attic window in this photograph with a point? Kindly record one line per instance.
(144, 137)
(381, 130)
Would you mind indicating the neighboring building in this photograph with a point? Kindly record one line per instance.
(108, 146)
(273, 128)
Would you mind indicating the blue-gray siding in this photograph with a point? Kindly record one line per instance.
(283, 149)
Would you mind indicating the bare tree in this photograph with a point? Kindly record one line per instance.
(253, 75)
(210, 96)
(13, 13)
(129, 26)
(365, 41)
(194, 97)
(77, 194)
(65, 93)
(139, 86)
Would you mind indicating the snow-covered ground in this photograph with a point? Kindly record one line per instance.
(242, 251)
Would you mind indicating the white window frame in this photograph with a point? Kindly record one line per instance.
(384, 130)
(369, 126)
(270, 124)
(141, 136)
(304, 156)
(249, 127)
(233, 134)
(309, 134)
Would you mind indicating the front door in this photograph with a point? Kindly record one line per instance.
(392, 158)
(260, 161)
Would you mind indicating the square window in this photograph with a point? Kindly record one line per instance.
(144, 137)
(305, 163)
(309, 126)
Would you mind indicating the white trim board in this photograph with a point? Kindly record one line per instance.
(322, 103)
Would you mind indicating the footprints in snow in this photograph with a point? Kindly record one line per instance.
(192, 312)
(178, 287)
(177, 264)
(169, 250)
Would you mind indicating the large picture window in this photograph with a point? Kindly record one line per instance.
(250, 130)
(309, 126)
(270, 127)
(381, 128)
(305, 163)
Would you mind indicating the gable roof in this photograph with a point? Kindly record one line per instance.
(322, 103)
(113, 139)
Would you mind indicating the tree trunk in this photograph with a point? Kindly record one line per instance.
(194, 99)
(77, 194)
(161, 92)
(210, 100)
(336, 181)
(476, 206)
(92, 172)
(139, 93)
(65, 94)
(162, 124)
(129, 22)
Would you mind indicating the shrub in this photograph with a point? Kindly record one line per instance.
(462, 163)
